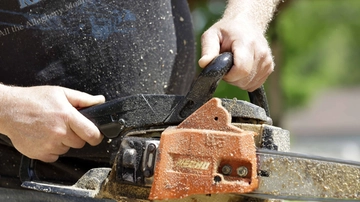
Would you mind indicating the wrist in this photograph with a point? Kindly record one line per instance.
(257, 13)
(5, 108)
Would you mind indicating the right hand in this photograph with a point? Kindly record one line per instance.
(43, 122)
(253, 61)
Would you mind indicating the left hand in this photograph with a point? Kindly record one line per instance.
(253, 61)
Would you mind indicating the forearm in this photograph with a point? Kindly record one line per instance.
(259, 12)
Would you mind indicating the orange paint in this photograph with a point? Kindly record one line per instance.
(193, 154)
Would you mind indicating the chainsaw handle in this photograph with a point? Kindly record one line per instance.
(202, 89)
(205, 85)
(258, 97)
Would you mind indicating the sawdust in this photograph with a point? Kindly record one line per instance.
(299, 177)
(112, 189)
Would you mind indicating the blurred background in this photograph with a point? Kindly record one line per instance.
(314, 91)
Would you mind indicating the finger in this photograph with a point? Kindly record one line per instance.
(73, 141)
(256, 84)
(81, 99)
(266, 67)
(59, 149)
(48, 158)
(261, 78)
(210, 47)
(84, 128)
(50, 152)
(243, 65)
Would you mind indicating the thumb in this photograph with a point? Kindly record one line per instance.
(210, 47)
(80, 99)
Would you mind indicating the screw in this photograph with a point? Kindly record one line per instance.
(226, 169)
(151, 148)
(242, 171)
(147, 173)
(131, 144)
(217, 179)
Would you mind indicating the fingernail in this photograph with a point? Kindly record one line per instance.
(203, 61)
(100, 97)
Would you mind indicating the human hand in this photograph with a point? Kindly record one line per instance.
(43, 122)
(253, 61)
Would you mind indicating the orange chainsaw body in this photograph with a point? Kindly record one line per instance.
(205, 154)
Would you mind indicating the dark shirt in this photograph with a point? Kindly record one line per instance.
(114, 48)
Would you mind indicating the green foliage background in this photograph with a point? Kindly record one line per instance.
(320, 46)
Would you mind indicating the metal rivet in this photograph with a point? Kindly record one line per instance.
(226, 169)
(122, 123)
(217, 179)
(242, 171)
(151, 148)
(147, 173)
(131, 144)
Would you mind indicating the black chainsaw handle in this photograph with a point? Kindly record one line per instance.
(204, 87)
(258, 97)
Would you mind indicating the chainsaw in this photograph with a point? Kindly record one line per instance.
(199, 148)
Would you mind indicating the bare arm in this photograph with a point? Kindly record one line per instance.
(259, 12)
(43, 122)
(241, 31)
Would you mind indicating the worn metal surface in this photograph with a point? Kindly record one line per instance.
(87, 186)
(243, 111)
(301, 177)
(26, 195)
(282, 175)
(269, 137)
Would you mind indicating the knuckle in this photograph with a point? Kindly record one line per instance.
(81, 144)
(206, 34)
(59, 131)
(269, 67)
(48, 147)
(91, 134)
(65, 150)
(241, 83)
(245, 72)
(94, 138)
(263, 53)
(65, 114)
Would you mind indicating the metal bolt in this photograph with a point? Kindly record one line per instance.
(147, 173)
(122, 123)
(131, 144)
(242, 171)
(151, 147)
(226, 169)
(217, 179)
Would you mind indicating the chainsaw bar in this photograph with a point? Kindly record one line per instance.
(292, 176)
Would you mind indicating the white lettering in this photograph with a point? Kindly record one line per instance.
(186, 163)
